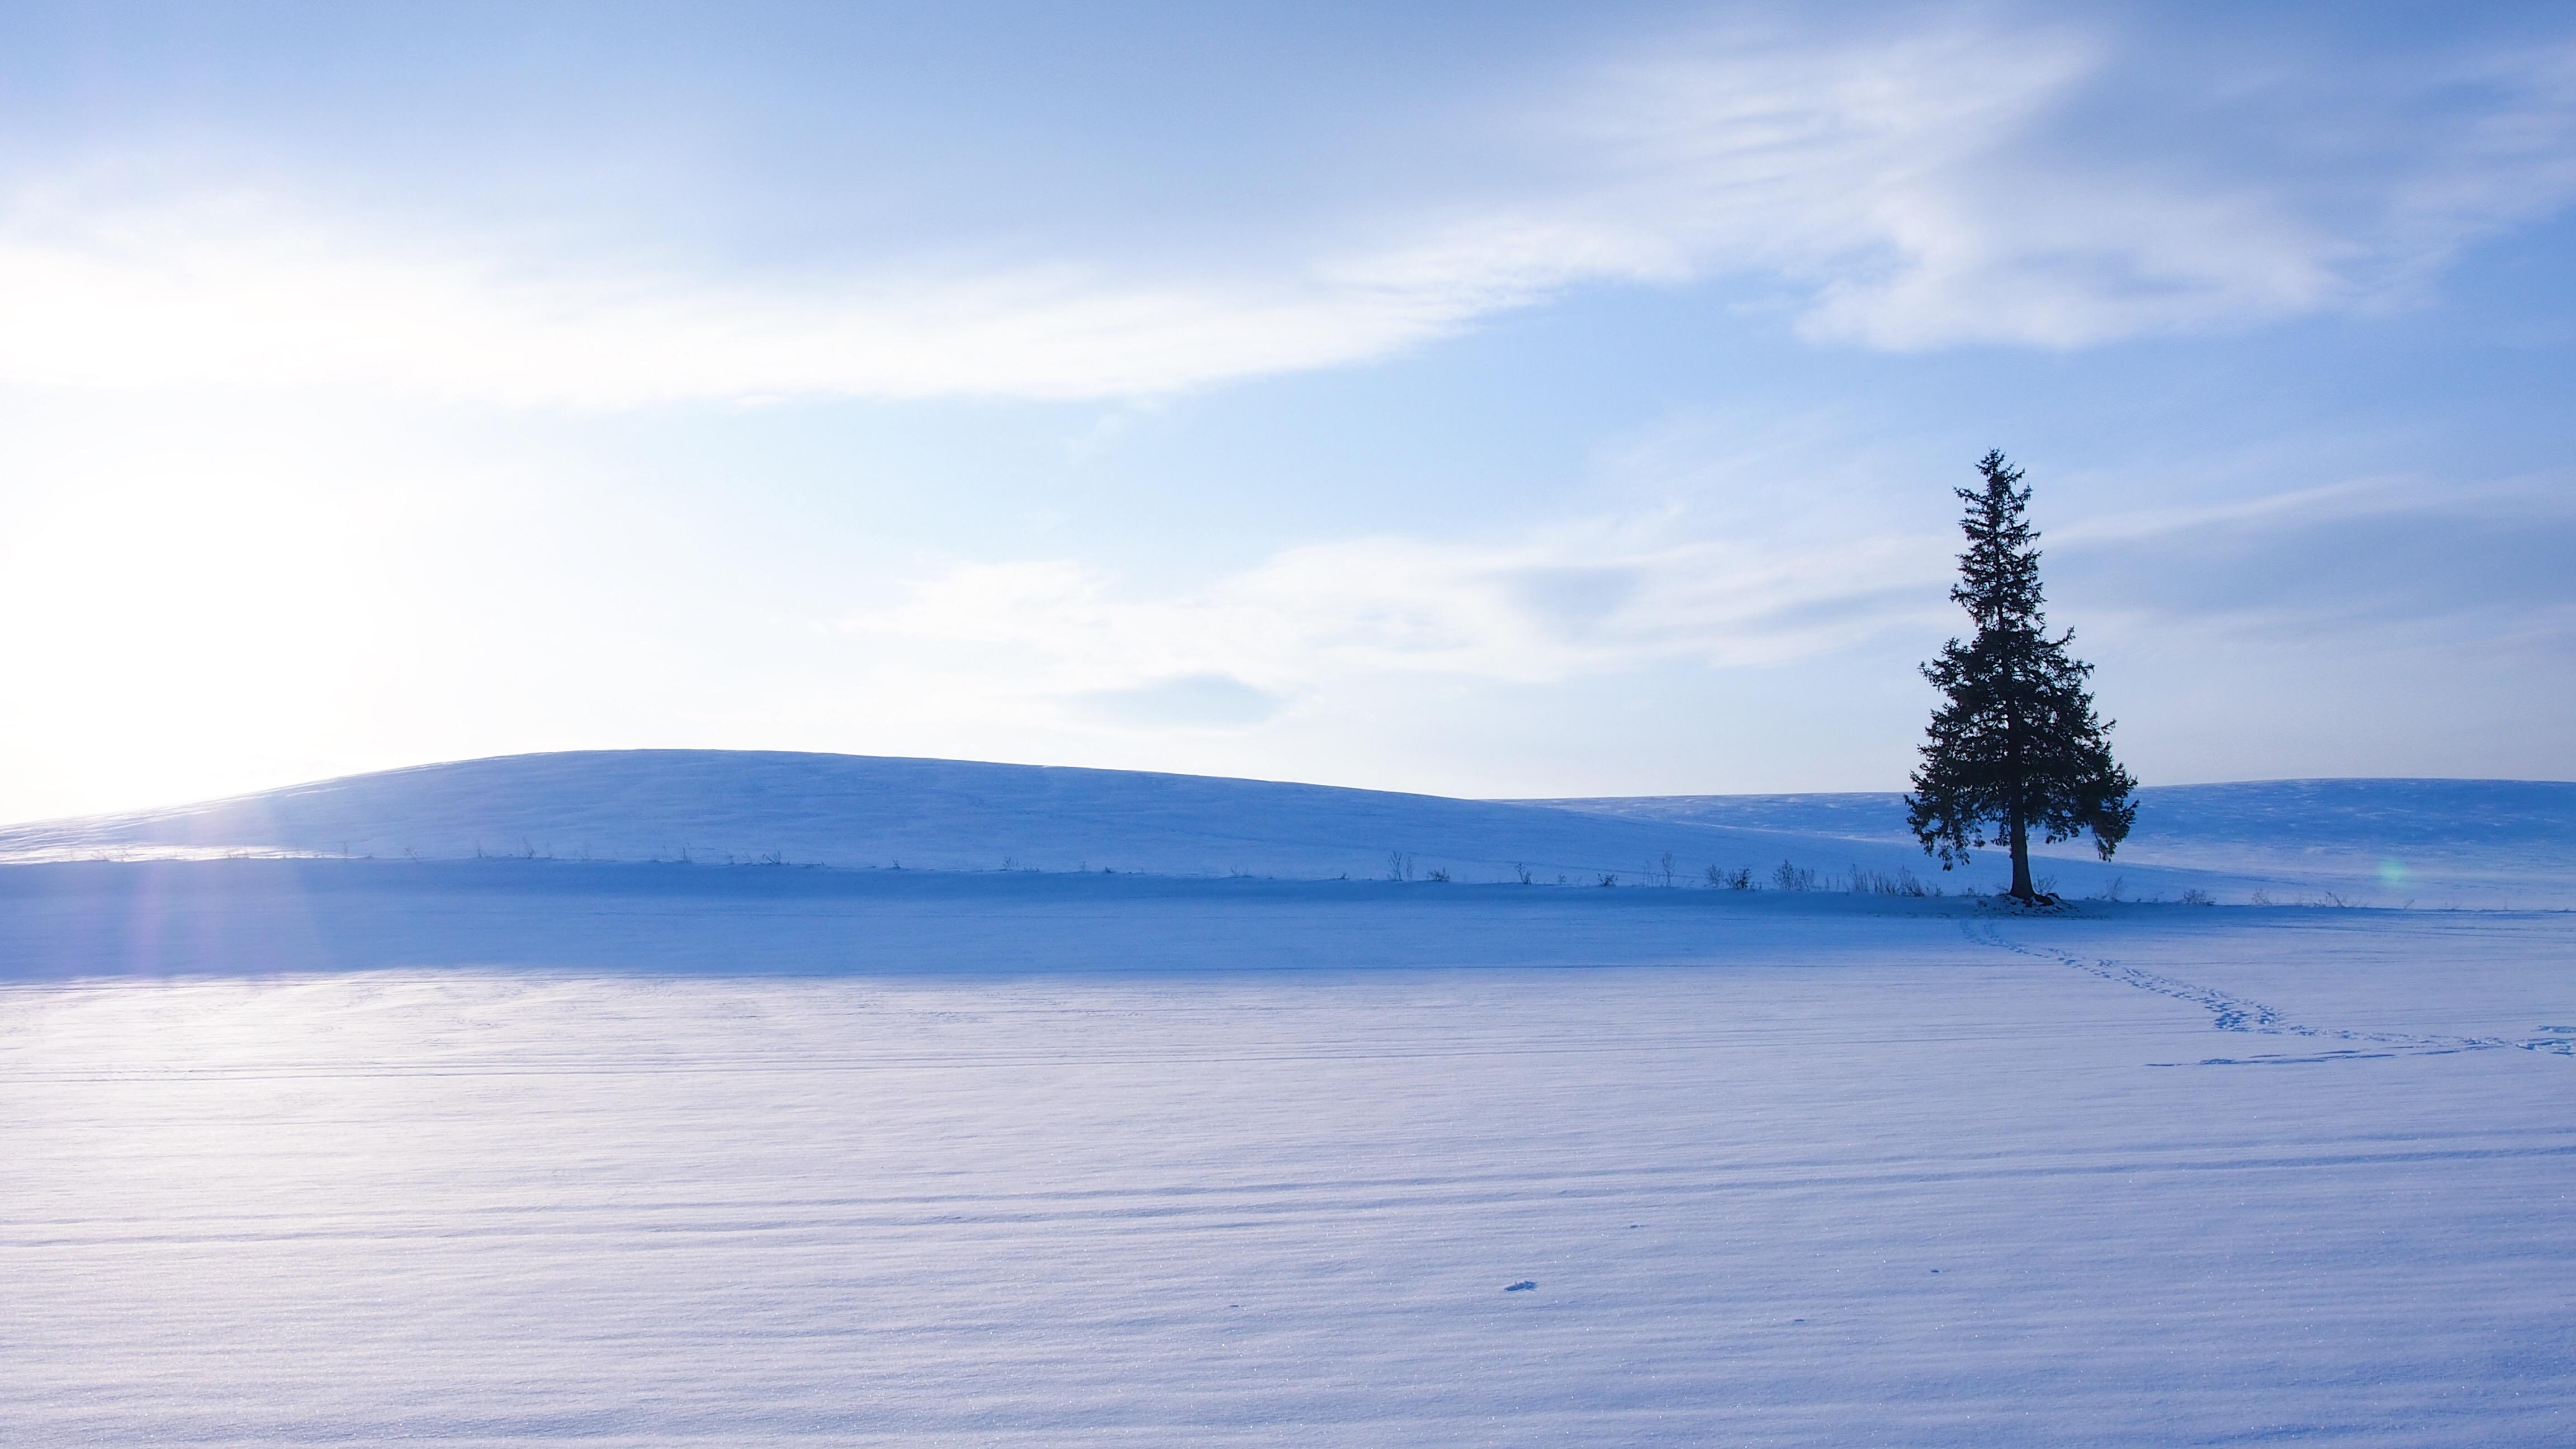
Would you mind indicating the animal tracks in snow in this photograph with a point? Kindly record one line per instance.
(2229, 1012)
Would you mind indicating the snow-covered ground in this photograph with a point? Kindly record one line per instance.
(529, 1151)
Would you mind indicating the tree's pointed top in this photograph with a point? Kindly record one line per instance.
(2001, 501)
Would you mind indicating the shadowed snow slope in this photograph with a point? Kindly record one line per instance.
(2469, 841)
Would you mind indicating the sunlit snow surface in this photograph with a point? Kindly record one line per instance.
(532, 1154)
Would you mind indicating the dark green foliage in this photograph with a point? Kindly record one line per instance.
(2014, 747)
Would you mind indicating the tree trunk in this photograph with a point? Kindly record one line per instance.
(2016, 821)
(2019, 829)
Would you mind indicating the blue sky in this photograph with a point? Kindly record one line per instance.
(1502, 400)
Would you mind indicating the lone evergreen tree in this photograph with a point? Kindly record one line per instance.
(2015, 746)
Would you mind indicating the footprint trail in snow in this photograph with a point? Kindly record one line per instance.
(2229, 1012)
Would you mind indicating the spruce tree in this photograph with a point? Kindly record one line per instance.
(2015, 746)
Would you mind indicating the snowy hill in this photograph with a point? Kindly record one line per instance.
(717, 807)
(2465, 842)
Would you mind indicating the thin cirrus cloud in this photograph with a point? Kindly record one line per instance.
(1589, 599)
(2472, 562)
(1932, 188)
(236, 294)
(1600, 597)
(1962, 185)
(1188, 700)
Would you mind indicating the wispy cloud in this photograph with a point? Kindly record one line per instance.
(1706, 587)
(244, 293)
(1204, 701)
(2465, 561)
(1589, 599)
(1910, 190)
(1963, 184)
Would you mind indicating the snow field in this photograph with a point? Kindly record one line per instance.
(563, 1158)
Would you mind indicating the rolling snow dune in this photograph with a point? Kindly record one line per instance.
(2433, 842)
(725, 806)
